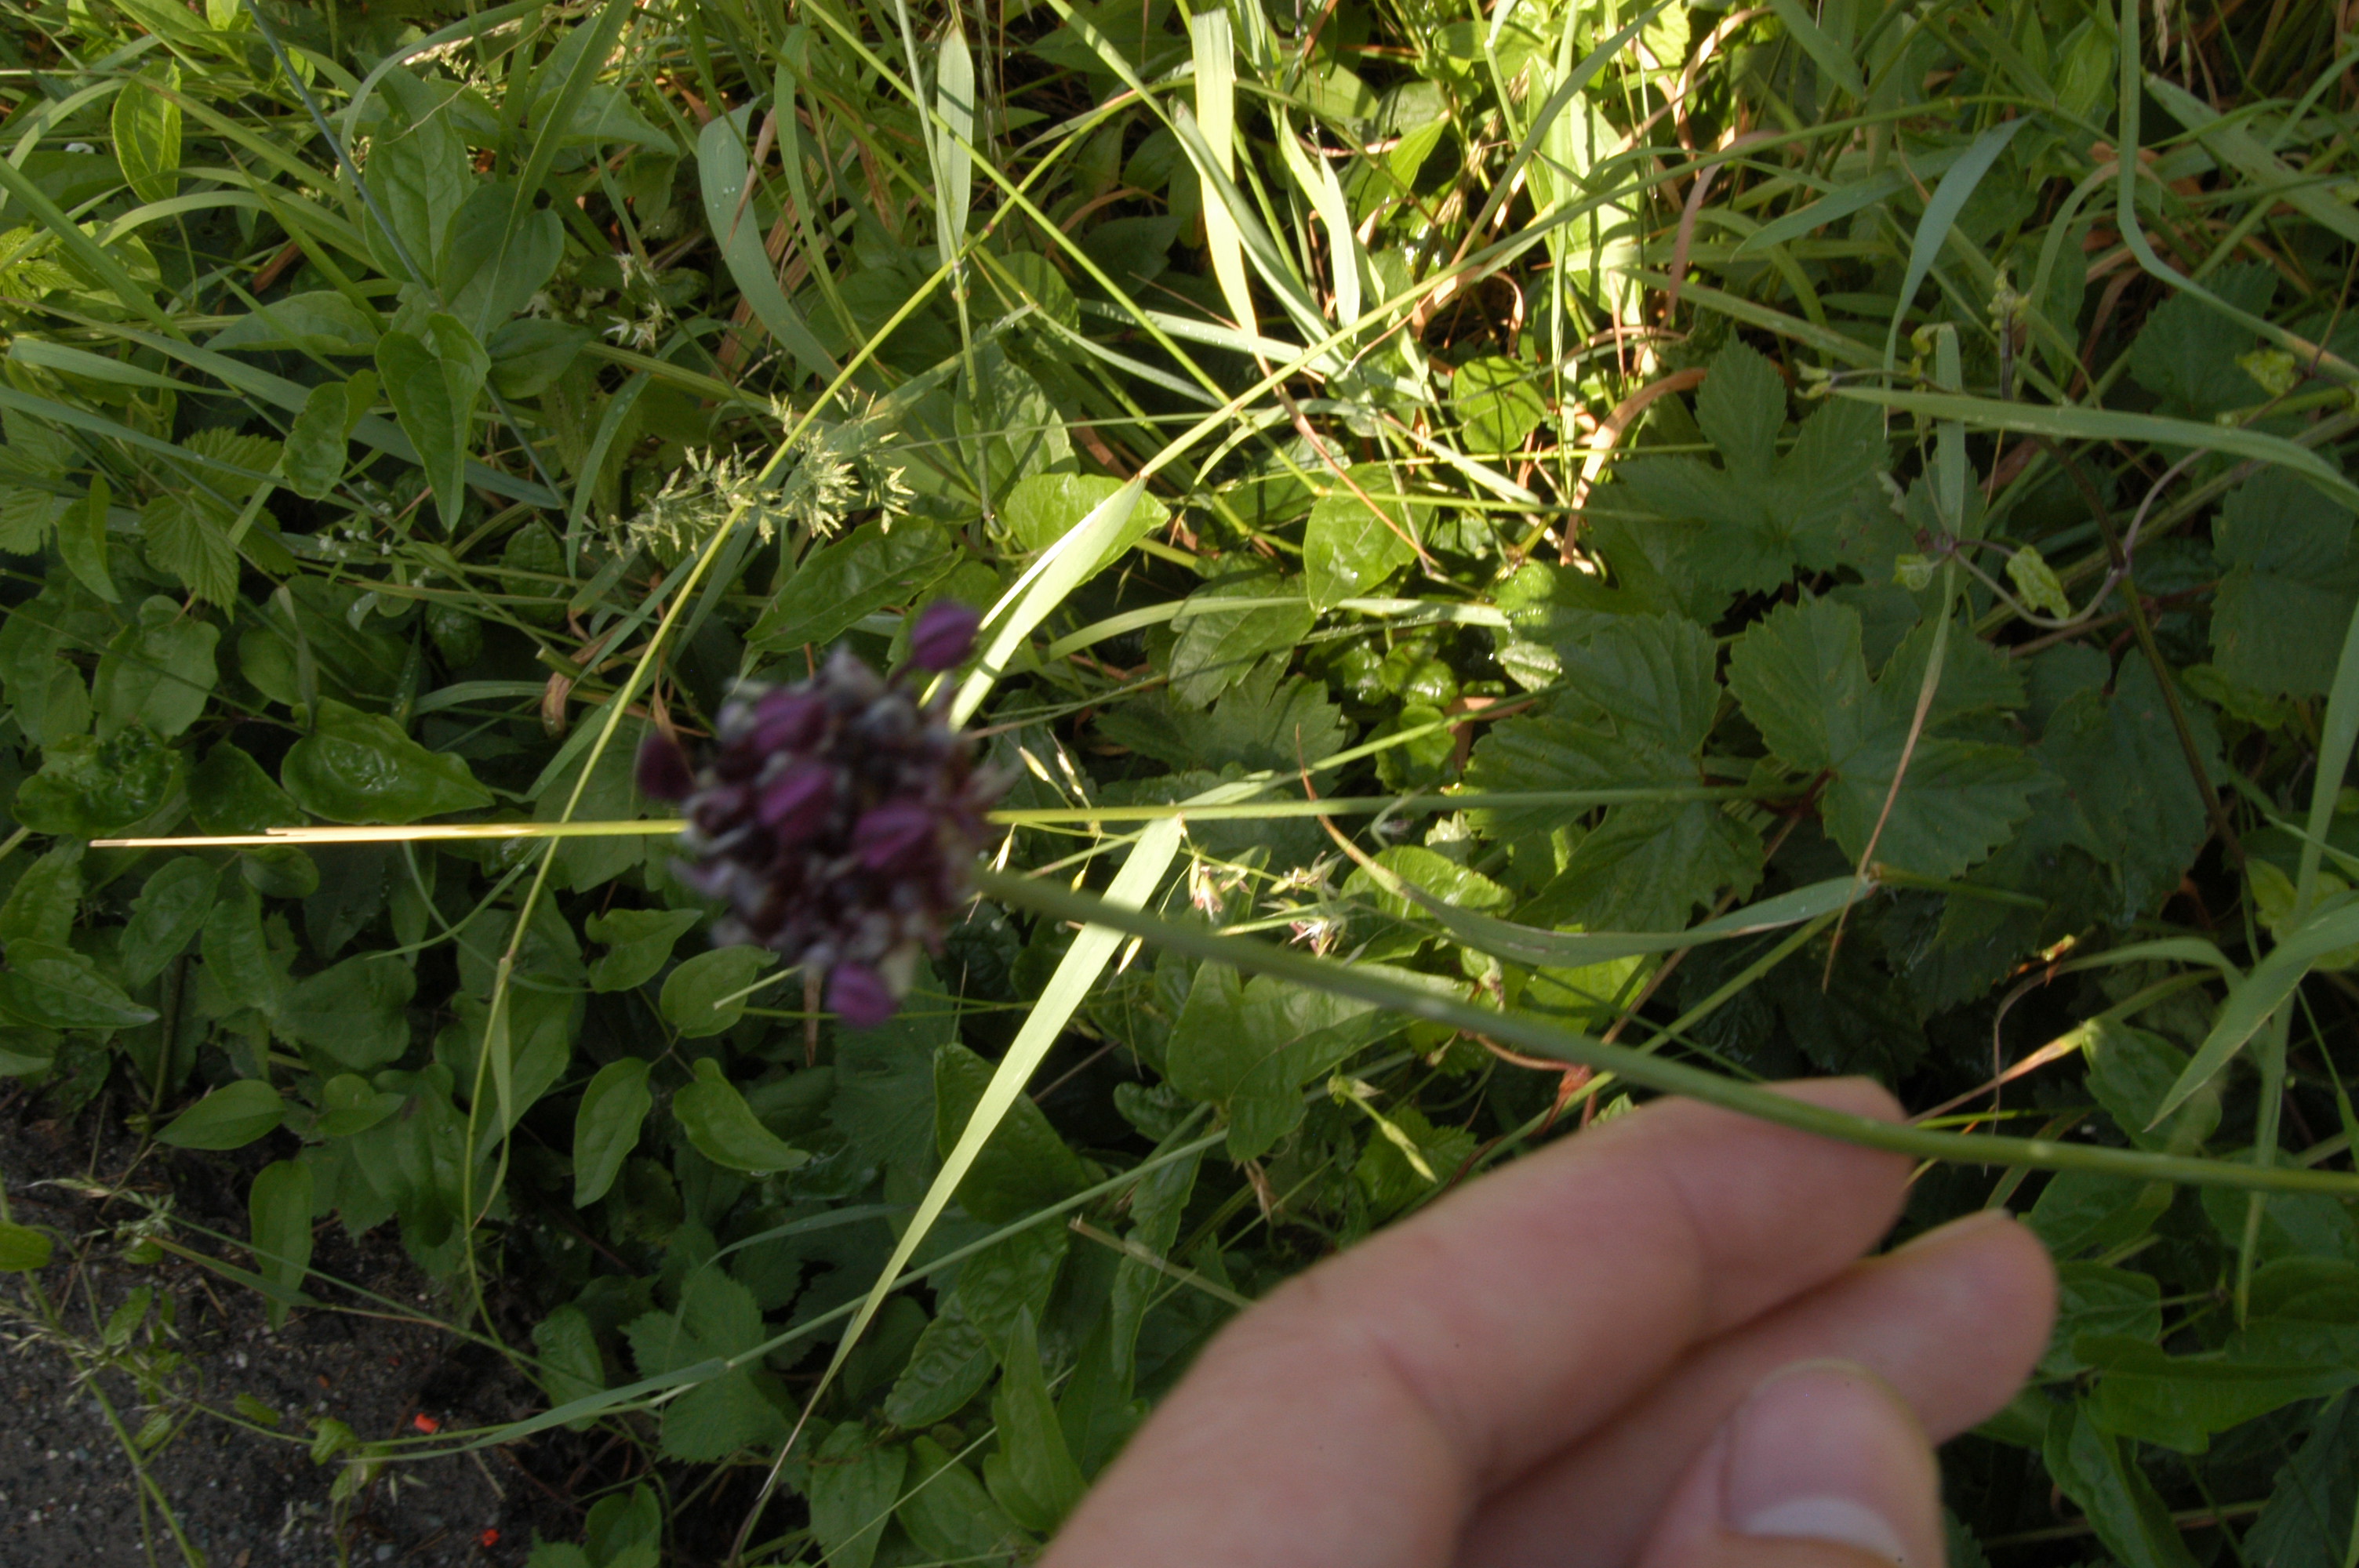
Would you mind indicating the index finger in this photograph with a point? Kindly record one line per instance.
(1358, 1414)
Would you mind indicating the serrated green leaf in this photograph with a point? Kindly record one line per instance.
(1249, 1047)
(717, 1318)
(2291, 581)
(187, 543)
(1497, 404)
(570, 1367)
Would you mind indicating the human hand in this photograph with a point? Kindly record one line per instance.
(1653, 1345)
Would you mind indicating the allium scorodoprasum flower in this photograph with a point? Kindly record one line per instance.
(837, 817)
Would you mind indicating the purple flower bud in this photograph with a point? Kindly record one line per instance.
(796, 803)
(943, 635)
(662, 771)
(858, 995)
(891, 834)
(789, 720)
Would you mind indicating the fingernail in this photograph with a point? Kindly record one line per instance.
(1825, 1451)
(1972, 1223)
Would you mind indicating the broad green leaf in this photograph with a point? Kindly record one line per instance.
(606, 1125)
(156, 672)
(724, 1128)
(2180, 1401)
(25, 1050)
(354, 1012)
(41, 907)
(230, 794)
(166, 916)
(238, 956)
(417, 170)
(146, 125)
(843, 581)
(1025, 1166)
(187, 543)
(953, 138)
(947, 1513)
(488, 273)
(1032, 1475)
(1349, 547)
(529, 354)
(320, 322)
(1249, 1047)
(348, 1106)
(434, 383)
(230, 1118)
(313, 457)
(52, 986)
(706, 994)
(954, 1354)
(1043, 508)
(626, 1530)
(2093, 1299)
(23, 1250)
(82, 544)
(855, 1480)
(88, 789)
(2130, 1071)
(2086, 1211)
(639, 943)
(728, 1411)
(2130, 1519)
(359, 767)
(1497, 404)
(2315, 1497)
(278, 1207)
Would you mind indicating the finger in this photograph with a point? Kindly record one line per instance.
(1954, 1322)
(1821, 1466)
(1357, 1415)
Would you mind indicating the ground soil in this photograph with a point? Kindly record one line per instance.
(69, 1491)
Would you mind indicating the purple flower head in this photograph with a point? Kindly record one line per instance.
(859, 995)
(662, 772)
(837, 819)
(894, 835)
(943, 635)
(796, 803)
(788, 719)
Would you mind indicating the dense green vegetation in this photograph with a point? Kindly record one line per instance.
(1782, 540)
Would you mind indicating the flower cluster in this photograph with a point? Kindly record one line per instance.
(837, 817)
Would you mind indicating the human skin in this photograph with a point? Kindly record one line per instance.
(1657, 1344)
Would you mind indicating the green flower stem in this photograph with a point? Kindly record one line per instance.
(1529, 1034)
